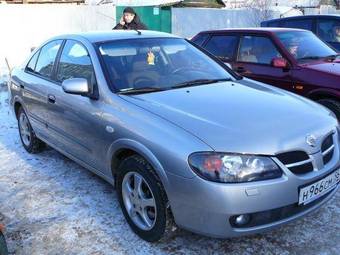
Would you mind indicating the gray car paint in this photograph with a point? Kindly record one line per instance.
(241, 116)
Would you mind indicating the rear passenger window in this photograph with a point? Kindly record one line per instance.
(257, 49)
(222, 46)
(301, 24)
(31, 64)
(75, 62)
(329, 30)
(47, 57)
(200, 39)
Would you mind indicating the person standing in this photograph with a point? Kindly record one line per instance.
(130, 21)
(336, 34)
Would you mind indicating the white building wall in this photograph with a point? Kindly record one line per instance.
(187, 22)
(26, 26)
(133, 2)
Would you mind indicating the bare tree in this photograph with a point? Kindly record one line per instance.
(260, 10)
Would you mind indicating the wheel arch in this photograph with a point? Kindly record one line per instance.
(123, 148)
(323, 94)
(17, 104)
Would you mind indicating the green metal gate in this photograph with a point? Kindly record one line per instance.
(154, 17)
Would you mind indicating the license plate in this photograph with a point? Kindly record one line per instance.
(319, 188)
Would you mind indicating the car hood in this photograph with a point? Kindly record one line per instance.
(241, 117)
(327, 67)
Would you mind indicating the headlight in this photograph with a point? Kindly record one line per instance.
(233, 168)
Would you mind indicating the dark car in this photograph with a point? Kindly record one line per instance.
(292, 59)
(326, 27)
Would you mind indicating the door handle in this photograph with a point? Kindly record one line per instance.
(240, 69)
(51, 99)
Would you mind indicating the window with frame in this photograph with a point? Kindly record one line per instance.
(33, 61)
(222, 46)
(75, 62)
(47, 56)
(329, 30)
(200, 39)
(257, 49)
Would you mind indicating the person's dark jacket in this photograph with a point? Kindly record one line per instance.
(135, 24)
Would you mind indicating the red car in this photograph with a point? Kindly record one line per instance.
(291, 59)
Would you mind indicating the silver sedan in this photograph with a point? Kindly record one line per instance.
(182, 137)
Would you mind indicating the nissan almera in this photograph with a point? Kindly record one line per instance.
(178, 133)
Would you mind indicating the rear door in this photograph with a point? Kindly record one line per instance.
(200, 39)
(254, 61)
(37, 78)
(328, 29)
(223, 46)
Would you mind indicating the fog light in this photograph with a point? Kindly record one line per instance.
(242, 219)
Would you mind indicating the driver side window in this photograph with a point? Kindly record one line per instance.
(329, 30)
(75, 62)
(257, 49)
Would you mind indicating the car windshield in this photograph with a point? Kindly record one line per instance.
(304, 45)
(147, 65)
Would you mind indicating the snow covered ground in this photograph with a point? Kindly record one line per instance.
(51, 205)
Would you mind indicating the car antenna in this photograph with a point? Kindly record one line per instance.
(139, 32)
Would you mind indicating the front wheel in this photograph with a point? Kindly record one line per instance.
(331, 104)
(142, 199)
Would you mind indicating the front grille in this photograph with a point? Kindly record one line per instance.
(298, 162)
(327, 149)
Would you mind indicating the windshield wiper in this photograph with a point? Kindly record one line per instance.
(198, 82)
(332, 57)
(130, 91)
(309, 58)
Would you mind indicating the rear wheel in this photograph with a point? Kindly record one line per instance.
(142, 199)
(331, 104)
(31, 143)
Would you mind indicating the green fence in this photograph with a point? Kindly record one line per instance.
(154, 17)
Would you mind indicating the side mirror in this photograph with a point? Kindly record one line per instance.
(76, 86)
(280, 62)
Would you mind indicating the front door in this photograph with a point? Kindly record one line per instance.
(254, 61)
(74, 122)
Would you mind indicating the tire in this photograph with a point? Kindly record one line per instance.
(29, 140)
(331, 104)
(3, 246)
(131, 170)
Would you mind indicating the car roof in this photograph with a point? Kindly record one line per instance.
(336, 16)
(254, 30)
(102, 36)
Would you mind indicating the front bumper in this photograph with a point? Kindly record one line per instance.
(206, 207)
